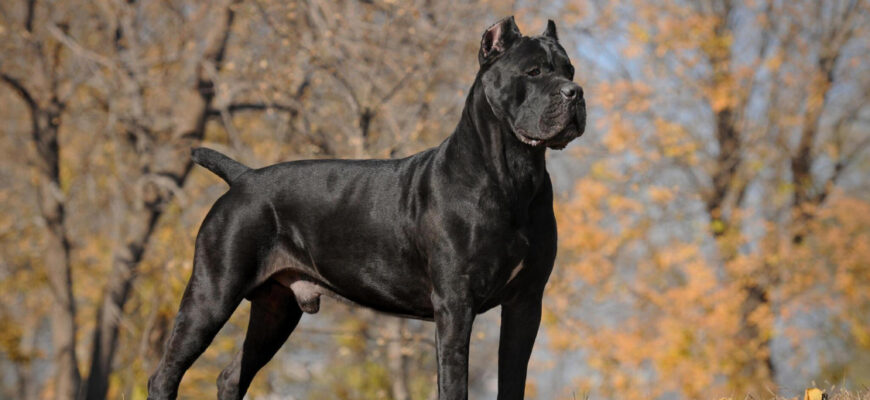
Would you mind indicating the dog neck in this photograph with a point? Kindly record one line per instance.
(489, 142)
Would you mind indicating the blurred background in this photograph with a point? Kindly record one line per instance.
(714, 220)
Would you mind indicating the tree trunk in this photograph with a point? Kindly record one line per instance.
(59, 270)
(115, 295)
(45, 123)
(726, 182)
(144, 218)
(723, 228)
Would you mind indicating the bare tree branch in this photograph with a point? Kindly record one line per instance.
(242, 107)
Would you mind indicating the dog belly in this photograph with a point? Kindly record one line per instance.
(409, 298)
(308, 293)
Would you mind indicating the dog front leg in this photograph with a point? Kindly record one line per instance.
(454, 316)
(520, 319)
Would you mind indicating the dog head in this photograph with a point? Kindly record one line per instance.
(527, 80)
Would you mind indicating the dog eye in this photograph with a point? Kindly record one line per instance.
(535, 71)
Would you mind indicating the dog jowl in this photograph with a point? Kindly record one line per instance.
(443, 235)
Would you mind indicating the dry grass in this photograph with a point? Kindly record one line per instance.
(836, 393)
(831, 393)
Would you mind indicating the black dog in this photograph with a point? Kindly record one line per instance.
(443, 235)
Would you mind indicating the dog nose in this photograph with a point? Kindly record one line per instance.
(570, 91)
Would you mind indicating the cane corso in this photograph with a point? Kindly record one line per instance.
(442, 235)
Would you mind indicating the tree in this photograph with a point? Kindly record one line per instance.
(140, 84)
(746, 116)
(45, 90)
(712, 220)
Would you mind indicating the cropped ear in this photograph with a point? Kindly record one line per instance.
(497, 39)
(551, 30)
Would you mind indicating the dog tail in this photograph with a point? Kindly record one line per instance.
(225, 167)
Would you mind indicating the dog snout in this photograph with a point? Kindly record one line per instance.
(571, 91)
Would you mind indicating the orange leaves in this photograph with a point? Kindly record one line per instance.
(581, 230)
(638, 33)
(562, 339)
(670, 28)
(623, 204)
(716, 45)
(722, 95)
(632, 96)
(703, 285)
(684, 317)
(632, 50)
(531, 389)
(675, 141)
(619, 137)
(774, 62)
(640, 37)
(660, 195)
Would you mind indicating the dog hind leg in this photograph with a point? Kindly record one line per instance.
(199, 319)
(216, 287)
(274, 315)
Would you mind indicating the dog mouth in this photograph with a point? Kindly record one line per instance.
(567, 130)
(524, 137)
(569, 133)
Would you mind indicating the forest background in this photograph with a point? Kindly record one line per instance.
(714, 220)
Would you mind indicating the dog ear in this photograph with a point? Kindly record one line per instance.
(550, 32)
(498, 38)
